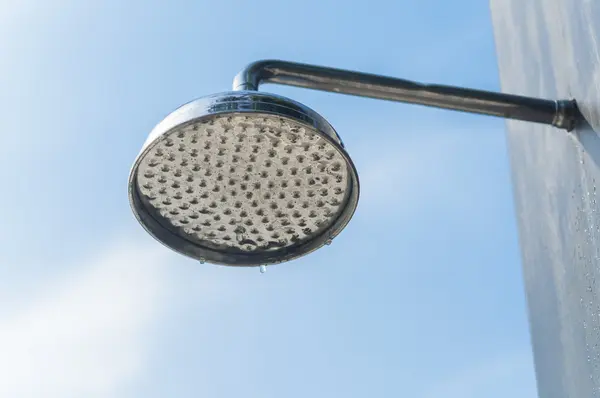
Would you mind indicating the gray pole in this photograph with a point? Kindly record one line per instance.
(549, 48)
(559, 113)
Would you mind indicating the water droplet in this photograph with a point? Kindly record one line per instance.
(263, 269)
(329, 241)
(202, 260)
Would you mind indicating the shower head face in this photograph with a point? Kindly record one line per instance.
(243, 178)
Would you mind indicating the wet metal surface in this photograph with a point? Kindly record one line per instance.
(549, 48)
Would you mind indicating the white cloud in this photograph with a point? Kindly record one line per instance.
(84, 335)
(15, 13)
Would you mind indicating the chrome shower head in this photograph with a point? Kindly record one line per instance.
(249, 178)
(243, 178)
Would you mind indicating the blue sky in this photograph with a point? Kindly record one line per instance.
(421, 296)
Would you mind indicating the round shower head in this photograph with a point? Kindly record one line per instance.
(243, 178)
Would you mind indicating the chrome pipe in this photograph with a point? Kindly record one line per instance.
(563, 114)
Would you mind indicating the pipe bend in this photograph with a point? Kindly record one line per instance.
(253, 74)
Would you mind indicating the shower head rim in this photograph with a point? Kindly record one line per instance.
(243, 102)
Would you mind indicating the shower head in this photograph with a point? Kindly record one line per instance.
(248, 178)
(243, 178)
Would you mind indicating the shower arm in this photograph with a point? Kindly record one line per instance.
(563, 114)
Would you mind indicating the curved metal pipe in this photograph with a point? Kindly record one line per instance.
(562, 113)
